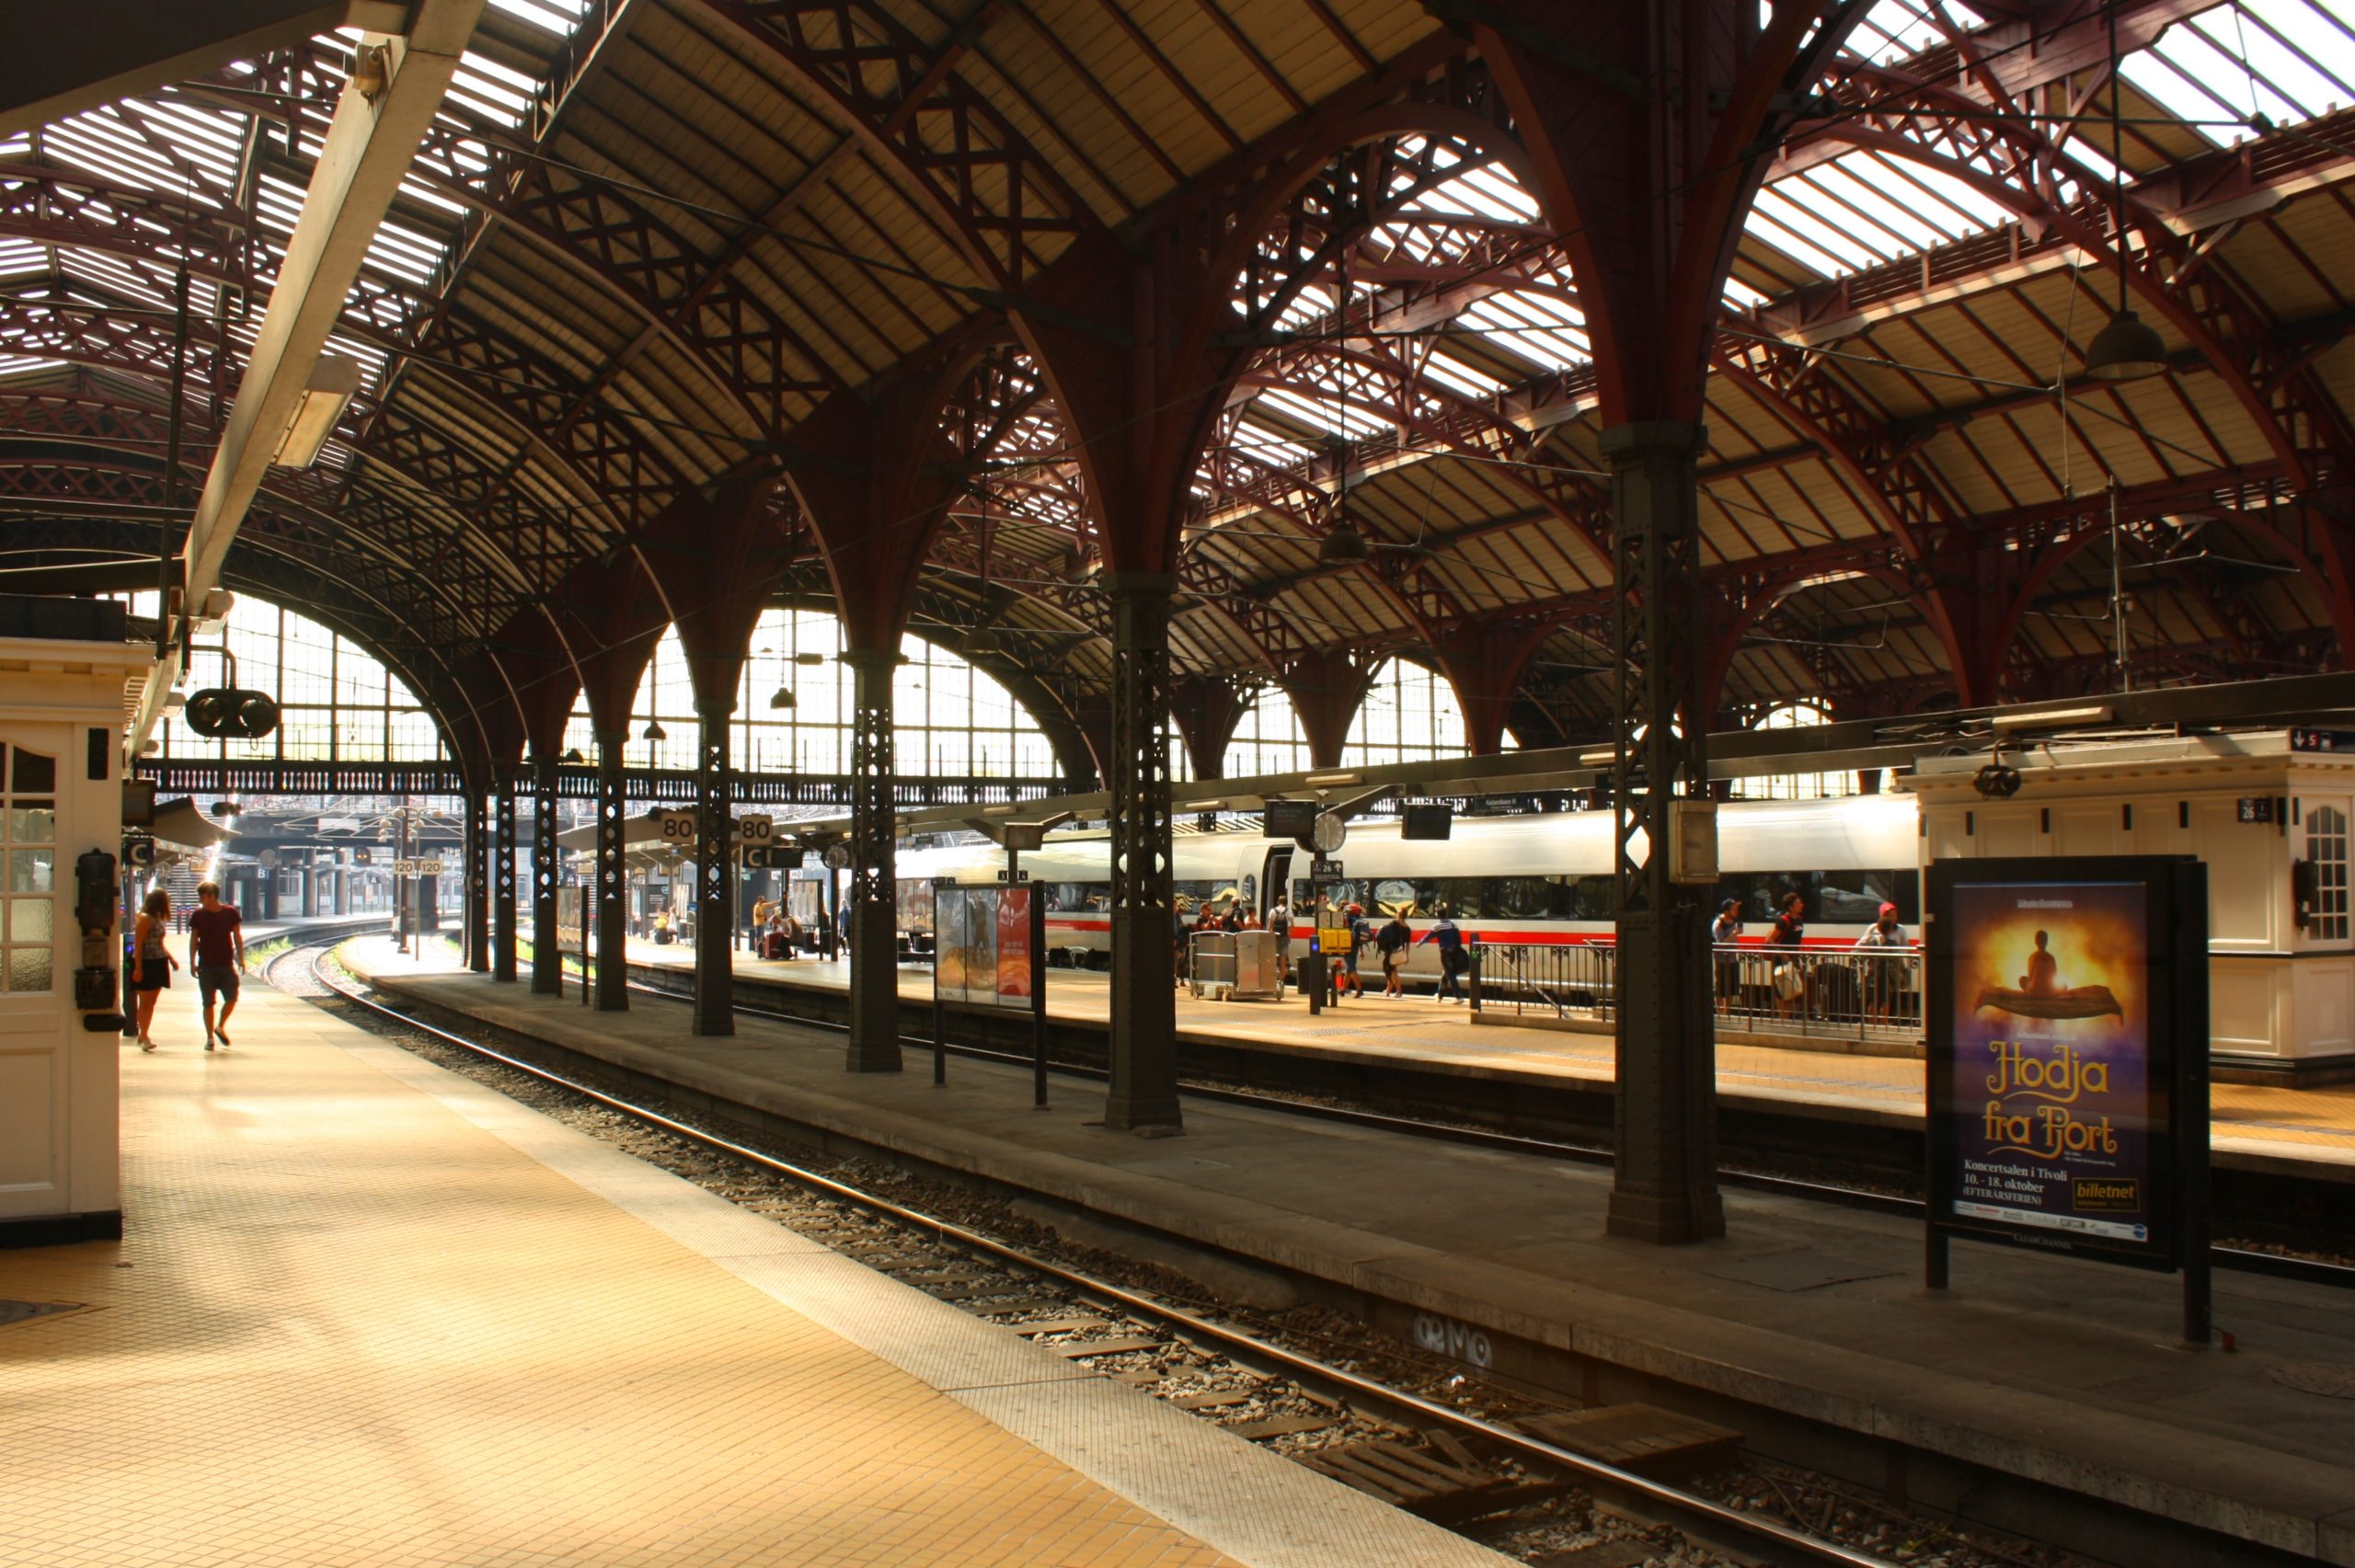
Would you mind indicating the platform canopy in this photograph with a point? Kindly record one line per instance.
(841, 267)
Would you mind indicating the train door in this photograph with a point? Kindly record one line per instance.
(1273, 883)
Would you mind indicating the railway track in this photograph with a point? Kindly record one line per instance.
(1416, 1452)
(2243, 1260)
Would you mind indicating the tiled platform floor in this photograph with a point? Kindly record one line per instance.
(367, 1313)
(2305, 1125)
(2063, 1370)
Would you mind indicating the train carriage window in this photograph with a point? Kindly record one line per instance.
(2327, 850)
(1529, 897)
(1464, 896)
(1833, 897)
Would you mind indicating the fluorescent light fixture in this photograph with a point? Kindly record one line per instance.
(1331, 779)
(2054, 718)
(999, 810)
(333, 381)
(1203, 805)
(1599, 757)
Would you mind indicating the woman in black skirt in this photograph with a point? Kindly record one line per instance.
(151, 966)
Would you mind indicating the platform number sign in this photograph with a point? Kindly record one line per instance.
(2068, 1075)
(678, 827)
(139, 850)
(756, 830)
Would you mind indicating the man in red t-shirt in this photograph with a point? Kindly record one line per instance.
(216, 951)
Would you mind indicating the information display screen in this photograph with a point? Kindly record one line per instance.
(1289, 819)
(2053, 1052)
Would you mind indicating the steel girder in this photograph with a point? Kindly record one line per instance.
(1004, 204)
(106, 432)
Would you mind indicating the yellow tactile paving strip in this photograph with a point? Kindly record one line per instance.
(349, 1328)
(2245, 1116)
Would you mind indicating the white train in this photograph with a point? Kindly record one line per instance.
(1536, 879)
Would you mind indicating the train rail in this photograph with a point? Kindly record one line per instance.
(2240, 1259)
(1451, 1434)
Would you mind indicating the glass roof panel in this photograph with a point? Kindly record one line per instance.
(1543, 329)
(1904, 27)
(2290, 60)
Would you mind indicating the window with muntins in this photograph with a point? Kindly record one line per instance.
(28, 842)
(2327, 849)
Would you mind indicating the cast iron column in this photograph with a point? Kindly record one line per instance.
(502, 878)
(477, 932)
(613, 913)
(1143, 1093)
(715, 878)
(547, 947)
(873, 917)
(1665, 1184)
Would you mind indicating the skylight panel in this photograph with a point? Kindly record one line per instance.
(1902, 27)
(1543, 331)
(1868, 187)
(109, 274)
(16, 146)
(1836, 218)
(21, 364)
(558, 17)
(2189, 76)
(1742, 296)
(2302, 49)
(2300, 57)
(1329, 415)
(1450, 371)
(1940, 197)
(1266, 445)
(18, 256)
(1779, 221)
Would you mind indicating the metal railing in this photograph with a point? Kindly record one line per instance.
(1559, 980)
(1859, 993)
(1862, 992)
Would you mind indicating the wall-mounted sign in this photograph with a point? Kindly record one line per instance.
(2068, 1075)
(2322, 741)
(2255, 808)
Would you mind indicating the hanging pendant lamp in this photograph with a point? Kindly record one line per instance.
(2128, 349)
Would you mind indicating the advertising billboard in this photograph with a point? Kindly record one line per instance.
(987, 947)
(2067, 1046)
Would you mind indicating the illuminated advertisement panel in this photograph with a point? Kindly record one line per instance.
(1014, 951)
(2069, 1006)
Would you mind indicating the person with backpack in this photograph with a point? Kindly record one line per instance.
(1353, 919)
(1452, 958)
(1392, 941)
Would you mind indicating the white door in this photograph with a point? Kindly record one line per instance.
(36, 976)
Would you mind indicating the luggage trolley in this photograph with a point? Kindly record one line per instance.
(1234, 966)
